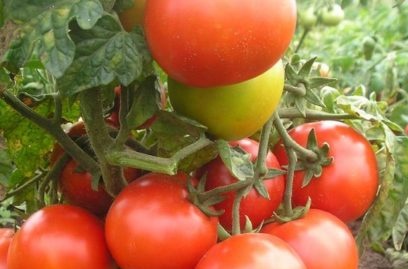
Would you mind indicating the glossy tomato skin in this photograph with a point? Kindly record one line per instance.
(133, 16)
(6, 235)
(348, 186)
(60, 236)
(256, 207)
(152, 225)
(231, 112)
(214, 43)
(76, 188)
(321, 240)
(252, 250)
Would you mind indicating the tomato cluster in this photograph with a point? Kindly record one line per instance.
(228, 75)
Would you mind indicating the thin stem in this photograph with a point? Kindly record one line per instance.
(302, 39)
(293, 113)
(287, 201)
(260, 165)
(92, 113)
(23, 186)
(223, 189)
(123, 111)
(236, 225)
(289, 142)
(54, 130)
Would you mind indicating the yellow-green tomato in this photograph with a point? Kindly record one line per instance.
(234, 111)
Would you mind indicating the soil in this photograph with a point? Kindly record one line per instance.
(370, 259)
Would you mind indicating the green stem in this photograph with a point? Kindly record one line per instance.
(289, 142)
(52, 175)
(302, 39)
(224, 189)
(293, 113)
(298, 90)
(236, 225)
(130, 158)
(287, 200)
(260, 165)
(92, 113)
(123, 111)
(23, 186)
(54, 130)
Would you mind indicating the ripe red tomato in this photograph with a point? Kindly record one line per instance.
(214, 43)
(256, 207)
(348, 186)
(133, 16)
(6, 235)
(76, 188)
(321, 240)
(251, 250)
(231, 112)
(60, 236)
(152, 224)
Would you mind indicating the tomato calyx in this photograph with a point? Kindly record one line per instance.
(281, 216)
(313, 167)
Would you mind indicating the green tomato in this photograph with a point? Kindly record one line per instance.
(332, 16)
(308, 18)
(234, 111)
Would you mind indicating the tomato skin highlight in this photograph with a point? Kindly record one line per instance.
(251, 250)
(60, 236)
(348, 186)
(6, 236)
(152, 225)
(231, 112)
(217, 43)
(321, 240)
(256, 207)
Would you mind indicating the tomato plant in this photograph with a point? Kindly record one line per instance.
(320, 239)
(6, 235)
(60, 236)
(231, 112)
(308, 18)
(254, 206)
(154, 214)
(251, 251)
(348, 186)
(133, 16)
(256, 34)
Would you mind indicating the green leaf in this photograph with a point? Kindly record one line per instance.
(145, 103)
(27, 144)
(6, 166)
(236, 160)
(378, 222)
(105, 53)
(306, 68)
(46, 34)
(400, 229)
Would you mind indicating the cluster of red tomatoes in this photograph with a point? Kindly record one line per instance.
(213, 60)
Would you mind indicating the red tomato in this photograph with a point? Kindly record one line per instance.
(76, 188)
(256, 207)
(60, 236)
(6, 235)
(348, 186)
(321, 240)
(252, 250)
(152, 225)
(214, 43)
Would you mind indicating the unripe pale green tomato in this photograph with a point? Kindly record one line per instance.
(234, 111)
(332, 16)
(308, 18)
